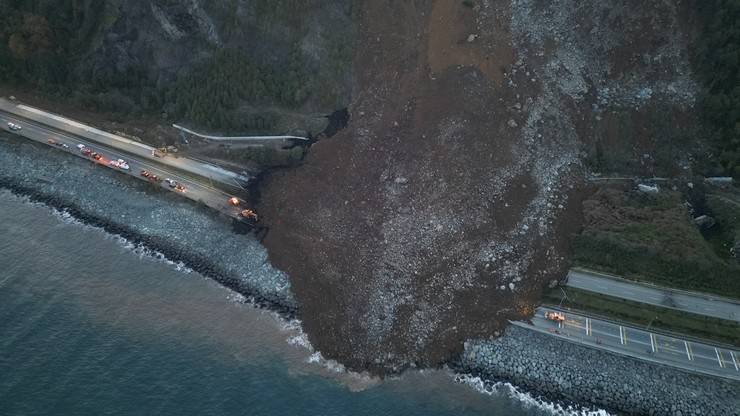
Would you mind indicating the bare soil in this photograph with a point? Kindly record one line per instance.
(447, 204)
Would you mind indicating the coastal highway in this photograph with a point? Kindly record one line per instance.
(143, 152)
(195, 190)
(697, 303)
(649, 346)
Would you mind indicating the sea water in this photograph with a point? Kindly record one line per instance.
(92, 325)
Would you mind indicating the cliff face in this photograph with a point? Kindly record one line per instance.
(170, 56)
(446, 206)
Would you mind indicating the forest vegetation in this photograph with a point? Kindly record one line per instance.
(719, 68)
(45, 45)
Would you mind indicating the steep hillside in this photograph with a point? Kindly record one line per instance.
(447, 204)
(223, 65)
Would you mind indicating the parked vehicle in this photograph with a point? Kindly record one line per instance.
(51, 141)
(120, 164)
(234, 201)
(85, 151)
(14, 127)
(145, 173)
(96, 156)
(555, 316)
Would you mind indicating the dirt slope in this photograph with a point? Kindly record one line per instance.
(447, 204)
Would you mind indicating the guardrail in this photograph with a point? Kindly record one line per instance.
(238, 138)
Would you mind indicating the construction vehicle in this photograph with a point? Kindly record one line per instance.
(248, 214)
(160, 152)
(555, 316)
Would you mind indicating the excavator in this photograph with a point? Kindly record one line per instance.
(248, 214)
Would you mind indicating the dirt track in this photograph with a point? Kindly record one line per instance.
(446, 205)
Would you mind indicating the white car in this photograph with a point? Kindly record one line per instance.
(120, 163)
(14, 127)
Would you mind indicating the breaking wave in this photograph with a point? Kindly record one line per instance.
(140, 249)
(297, 337)
(503, 388)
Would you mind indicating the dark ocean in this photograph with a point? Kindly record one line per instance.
(91, 325)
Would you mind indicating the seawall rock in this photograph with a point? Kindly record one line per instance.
(560, 370)
(135, 210)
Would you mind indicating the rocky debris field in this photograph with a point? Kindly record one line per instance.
(560, 370)
(446, 205)
(161, 221)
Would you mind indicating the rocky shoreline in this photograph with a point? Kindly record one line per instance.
(179, 229)
(562, 371)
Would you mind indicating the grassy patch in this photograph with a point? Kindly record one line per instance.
(718, 66)
(642, 315)
(624, 136)
(725, 208)
(651, 238)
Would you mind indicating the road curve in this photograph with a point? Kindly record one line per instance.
(692, 302)
(658, 348)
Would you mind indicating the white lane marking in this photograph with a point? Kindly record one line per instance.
(179, 163)
(587, 331)
(621, 335)
(719, 360)
(120, 154)
(688, 354)
(194, 185)
(652, 342)
(732, 354)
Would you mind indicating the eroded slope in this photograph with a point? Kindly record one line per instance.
(446, 205)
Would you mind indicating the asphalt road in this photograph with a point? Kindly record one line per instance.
(112, 141)
(688, 355)
(197, 191)
(697, 303)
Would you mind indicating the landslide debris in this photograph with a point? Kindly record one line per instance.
(446, 205)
